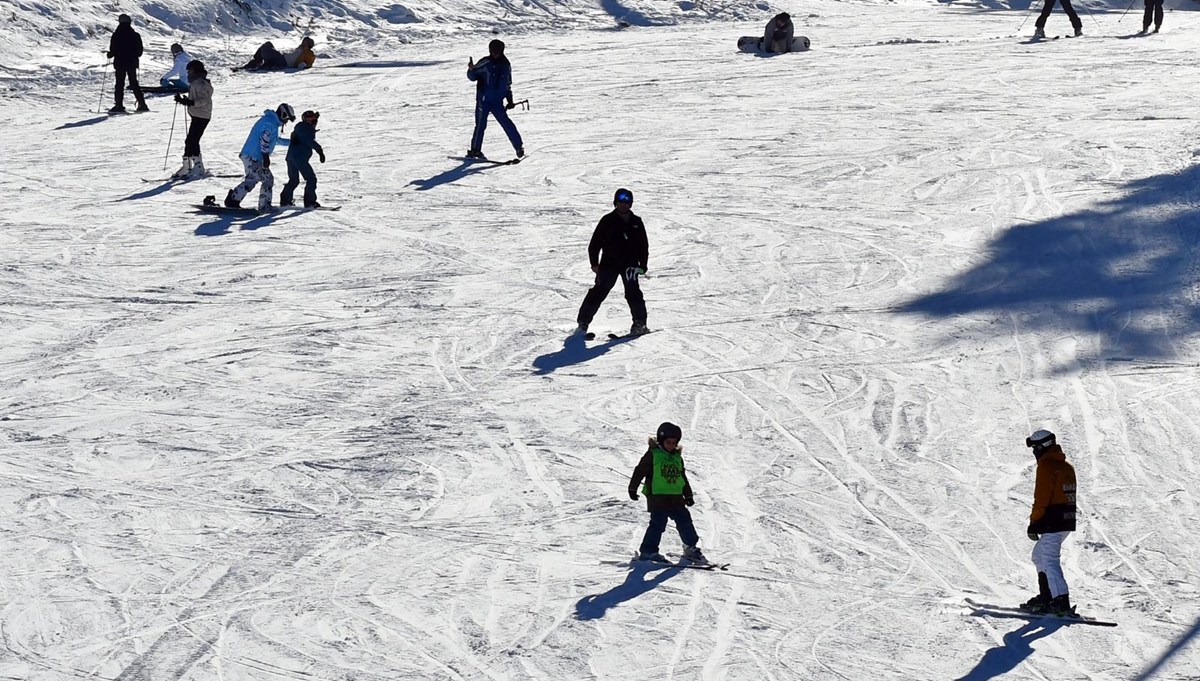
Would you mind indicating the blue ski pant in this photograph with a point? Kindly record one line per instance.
(482, 110)
(658, 523)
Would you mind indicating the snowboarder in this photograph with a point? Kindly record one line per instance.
(198, 101)
(125, 47)
(668, 494)
(256, 157)
(177, 77)
(302, 57)
(1154, 14)
(493, 95)
(1039, 30)
(266, 58)
(1052, 519)
(621, 237)
(779, 34)
(303, 144)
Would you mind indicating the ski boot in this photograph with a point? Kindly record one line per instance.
(1078, 31)
(314, 204)
(1060, 606)
(197, 168)
(638, 329)
(184, 170)
(652, 556)
(231, 202)
(476, 155)
(520, 152)
(117, 108)
(1039, 33)
(210, 200)
(693, 554)
(142, 108)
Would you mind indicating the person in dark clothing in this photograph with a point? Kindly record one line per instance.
(266, 58)
(1154, 14)
(303, 144)
(668, 494)
(493, 96)
(125, 47)
(1039, 30)
(779, 34)
(618, 249)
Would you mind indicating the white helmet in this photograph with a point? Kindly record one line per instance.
(285, 112)
(1040, 440)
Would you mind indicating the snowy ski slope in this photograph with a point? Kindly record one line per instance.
(354, 444)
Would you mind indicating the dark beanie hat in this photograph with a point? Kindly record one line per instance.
(496, 45)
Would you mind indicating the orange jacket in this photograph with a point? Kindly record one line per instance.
(1053, 494)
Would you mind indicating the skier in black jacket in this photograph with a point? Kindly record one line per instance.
(300, 149)
(125, 47)
(618, 249)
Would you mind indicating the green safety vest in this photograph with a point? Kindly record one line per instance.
(666, 473)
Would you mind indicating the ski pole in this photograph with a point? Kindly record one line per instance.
(1126, 10)
(1089, 11)
(103, 77)
(171, 136)
(1027, 13)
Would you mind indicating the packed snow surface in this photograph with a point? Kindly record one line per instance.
(356, 444)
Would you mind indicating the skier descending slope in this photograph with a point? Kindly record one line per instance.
(256, 157)
(668, 495)
(1039, 30)
(618, 249)
(1052, 519)
(493, 96)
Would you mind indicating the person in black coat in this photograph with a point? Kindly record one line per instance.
(1153, 15)
(300, 149)
(618, 249)
(125, 47)
(266, 58)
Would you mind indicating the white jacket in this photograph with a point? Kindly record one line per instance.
(179, 70)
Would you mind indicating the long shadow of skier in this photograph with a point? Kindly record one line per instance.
(596, 606)
(388, 64)
(574, 351)
(1013, 651)
(223, 223)
(453, 175)
(1124, 271)
(165, 186)
(80, 124)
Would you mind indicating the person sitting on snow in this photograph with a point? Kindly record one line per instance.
(177, 78)
(267, 58)
(303, 57)
(779, 34)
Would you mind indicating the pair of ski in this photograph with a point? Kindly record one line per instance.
(591, 335)
(682, 563)
(488, 161)
(1020, 613)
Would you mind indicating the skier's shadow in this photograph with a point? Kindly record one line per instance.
(594, 607)
(1015, 649)
(574, 351)
(80, 124)
(453, 175)
(223, 224)
(165, 186)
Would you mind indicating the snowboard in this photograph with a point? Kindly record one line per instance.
(750, 43)
(226, 210)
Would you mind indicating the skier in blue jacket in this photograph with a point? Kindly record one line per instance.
(256, 157)
(493, 95)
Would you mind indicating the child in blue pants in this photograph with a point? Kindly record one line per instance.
(668, 495)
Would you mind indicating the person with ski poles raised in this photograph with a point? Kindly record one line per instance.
(493, 96)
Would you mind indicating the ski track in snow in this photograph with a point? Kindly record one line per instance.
(355, 444)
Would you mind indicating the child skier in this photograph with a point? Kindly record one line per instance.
(299, 155)
(1052, 519)
(618, 249)
(256, 157)
(668, 494)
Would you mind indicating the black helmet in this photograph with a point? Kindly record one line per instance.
(176, 48)
(622, 194)
(668, 430)
(1040, 441)
(285, 112)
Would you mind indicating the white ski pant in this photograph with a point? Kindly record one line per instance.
(255, 173)
(1046, 554)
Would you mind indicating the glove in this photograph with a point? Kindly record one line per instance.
(633, 495)
(632, 273)
(266, 161)
(1033, 535)
(509, 105)
(322, 156)
(179, 99)
(688, 501)
(109, 53)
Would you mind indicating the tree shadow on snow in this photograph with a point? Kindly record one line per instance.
(1012, 652)
(223, 223)
(1125, 271)
(596, 606)
(80, 124)
(1171, 652)
(453, 175)
(574, 351)
(626, 16)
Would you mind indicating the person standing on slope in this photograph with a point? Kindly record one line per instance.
(618, 250)
(177, 77)
(668, 495)
(779, 34)
(299, 153)
(256, 157)
(1052, 519)
(1039, 30)
(125, 48)
(493, 96)
(1154, 14)
(198, 101)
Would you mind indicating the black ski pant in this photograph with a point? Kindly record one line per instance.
(296, 169)
(1154, 14)
(1066, 5)
(129, 72)
(605, 280)
(191, 144)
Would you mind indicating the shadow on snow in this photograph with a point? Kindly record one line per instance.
(223, 224)
(574, 351)
(1012, 652)
(1125, 271)
(86, 121)
(596, 606)
(454, 174)
(1171, 652)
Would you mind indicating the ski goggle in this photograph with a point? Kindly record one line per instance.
(624, 198)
